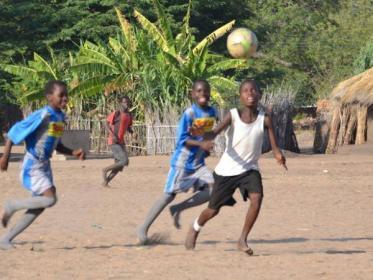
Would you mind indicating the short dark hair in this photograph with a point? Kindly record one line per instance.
(250, 81)
(201, 81)
(120, 98)
(49, 86)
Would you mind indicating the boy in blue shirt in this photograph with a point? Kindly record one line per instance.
(188, 167)
(42, 131)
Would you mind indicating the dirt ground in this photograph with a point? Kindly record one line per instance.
(316, 223)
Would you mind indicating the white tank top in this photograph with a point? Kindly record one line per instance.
(243, 146)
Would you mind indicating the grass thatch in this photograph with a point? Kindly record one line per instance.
(358, 89)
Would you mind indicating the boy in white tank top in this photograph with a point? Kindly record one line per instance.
(238, 167)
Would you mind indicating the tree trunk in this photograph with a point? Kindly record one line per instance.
(351, 126)
(334, 128)
(361, 130)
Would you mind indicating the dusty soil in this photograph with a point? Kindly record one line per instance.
(316, 223)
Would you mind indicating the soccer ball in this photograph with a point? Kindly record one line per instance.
(242, 43)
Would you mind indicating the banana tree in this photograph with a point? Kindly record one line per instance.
(115, 66)
(30, 78)
(188, 59)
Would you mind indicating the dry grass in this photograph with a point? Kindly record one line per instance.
(358, 89)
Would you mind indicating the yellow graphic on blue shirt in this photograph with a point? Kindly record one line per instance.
(55, 129)
(202, 125)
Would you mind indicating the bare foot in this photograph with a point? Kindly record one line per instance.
(175, 216)
(190, 241)
(242, 246)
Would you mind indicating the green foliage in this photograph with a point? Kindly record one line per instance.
(364, 61)
(187, 59)
(307, 45)
(31, 77)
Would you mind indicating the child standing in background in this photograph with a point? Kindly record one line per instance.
(117, 124)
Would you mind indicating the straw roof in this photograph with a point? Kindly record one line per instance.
(358, 89)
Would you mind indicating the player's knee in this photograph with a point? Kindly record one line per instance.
(51, 201)
(124, 162)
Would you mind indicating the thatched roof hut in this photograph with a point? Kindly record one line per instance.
(352, 118)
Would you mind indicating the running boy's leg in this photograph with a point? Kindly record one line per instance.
(121, 160)
(159, 205)
(203, 180)
(221, 195)
(174, 179)
(198, 198)
(47, 199)
(252, 214)
(203, 218)
(35, 206)
(26, 220)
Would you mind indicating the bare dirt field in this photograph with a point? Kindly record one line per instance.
(316, 223)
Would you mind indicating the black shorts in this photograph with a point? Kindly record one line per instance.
(225, 186)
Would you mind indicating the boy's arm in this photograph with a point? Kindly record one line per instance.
(110, 131)
(227, 120)
(205, 145)
(4, 160)
(79, 153)
(19, 132)
(185, 135)
(272, 139)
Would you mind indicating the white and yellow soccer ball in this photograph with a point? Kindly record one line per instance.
(242, 43)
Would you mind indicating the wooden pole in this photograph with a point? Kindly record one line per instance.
(361, 130)
(351, 126)
(343, 126)
(334, 129)
(322, 127)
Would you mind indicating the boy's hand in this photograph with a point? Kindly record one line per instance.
(79, 153)
(210, 135)
(196, 131)
(4, 163)
(280, 159)
(206, 145)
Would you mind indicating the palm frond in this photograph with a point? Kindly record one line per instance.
(31, 96)
(45, 65)
(18, 70)
(92, 86)
(201, 63)
(94, 69)
(164, 23)
(87, 54)
(212, 37)
(227, 64)
(127, 30)
(186, 19)
(223, 83)
(152, 31)
(184, 38)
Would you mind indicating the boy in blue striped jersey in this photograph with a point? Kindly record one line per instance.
(188, 167)
(42, 131)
